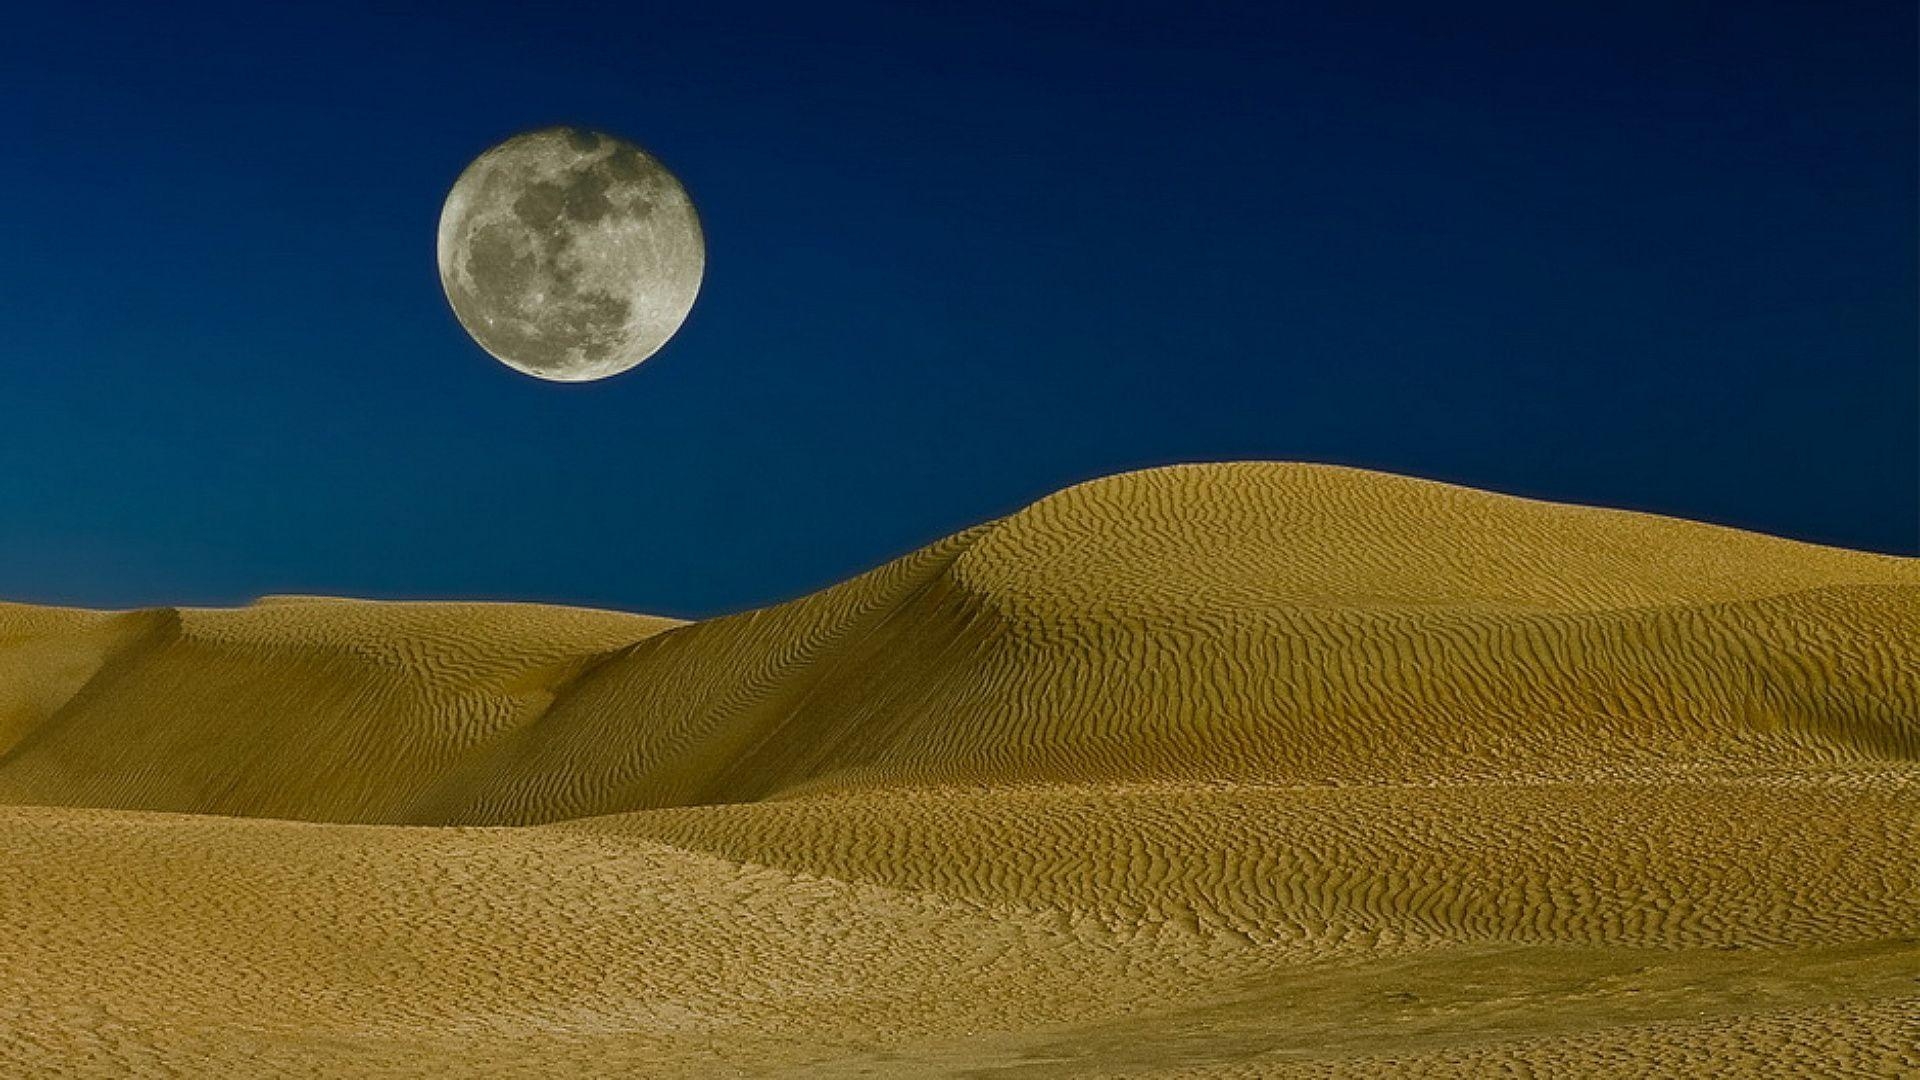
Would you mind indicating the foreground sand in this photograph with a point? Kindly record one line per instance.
(1239, 770)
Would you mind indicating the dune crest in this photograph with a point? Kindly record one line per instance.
(1100, 788)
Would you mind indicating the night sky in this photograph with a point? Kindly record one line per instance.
(1659, 256)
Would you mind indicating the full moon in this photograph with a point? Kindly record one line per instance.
(569, 254)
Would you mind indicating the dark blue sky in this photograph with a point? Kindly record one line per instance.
(1652, 255)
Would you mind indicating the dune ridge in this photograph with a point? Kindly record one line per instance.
(1100, 788)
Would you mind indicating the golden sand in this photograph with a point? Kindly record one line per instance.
(1221, 771)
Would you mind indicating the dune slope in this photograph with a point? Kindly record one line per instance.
(1252, 769)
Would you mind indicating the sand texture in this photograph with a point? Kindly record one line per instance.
(1218, 771)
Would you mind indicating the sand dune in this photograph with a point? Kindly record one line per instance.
(1235, 770)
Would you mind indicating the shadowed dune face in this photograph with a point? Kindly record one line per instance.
(320, 710)
(1111, 786)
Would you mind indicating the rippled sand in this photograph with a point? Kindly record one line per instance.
(1221, 771)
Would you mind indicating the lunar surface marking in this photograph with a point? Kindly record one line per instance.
(570, 255)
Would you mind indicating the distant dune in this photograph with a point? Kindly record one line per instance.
(1229, 770)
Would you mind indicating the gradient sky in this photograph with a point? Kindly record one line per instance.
(1655, 255)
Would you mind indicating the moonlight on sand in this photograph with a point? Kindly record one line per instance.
(570, 255)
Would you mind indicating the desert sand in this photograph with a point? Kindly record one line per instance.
(1219, 771)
